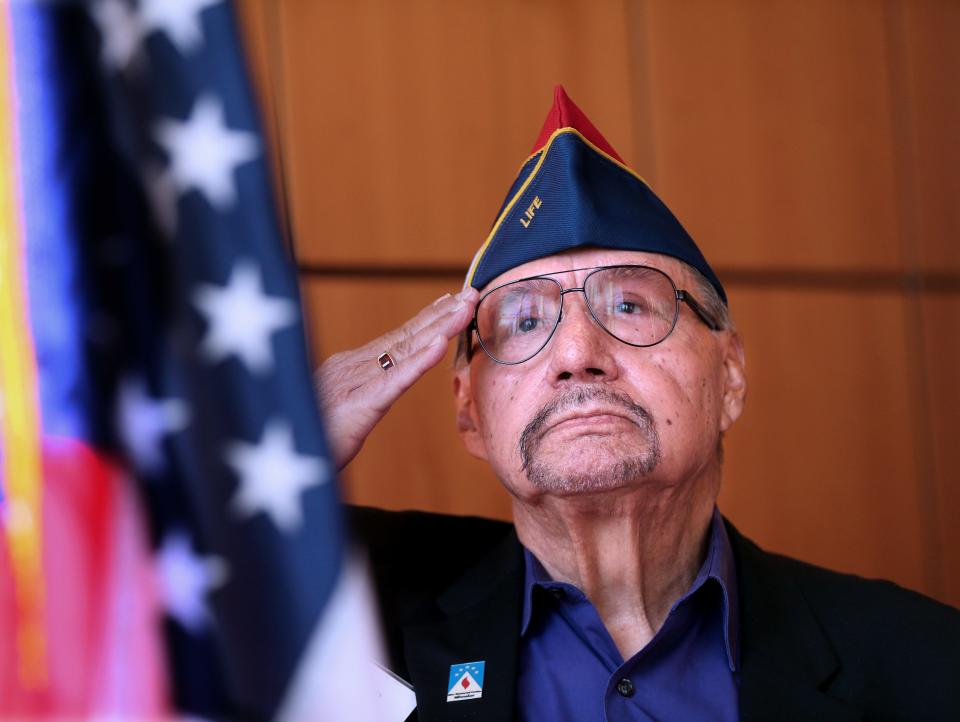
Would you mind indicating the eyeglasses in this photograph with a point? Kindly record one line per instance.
(637, 305)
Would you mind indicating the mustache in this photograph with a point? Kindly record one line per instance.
(572, 398)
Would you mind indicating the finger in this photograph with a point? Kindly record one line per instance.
(369, 380)
(439, 309)
(407, 372)
(445, 328)
(442, 307)
(415, 355)
(371, 401)
(445, 319)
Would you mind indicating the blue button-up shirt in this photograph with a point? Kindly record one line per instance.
(571, 670)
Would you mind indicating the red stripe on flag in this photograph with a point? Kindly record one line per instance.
(102, 619)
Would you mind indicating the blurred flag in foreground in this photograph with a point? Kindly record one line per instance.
(152, 351)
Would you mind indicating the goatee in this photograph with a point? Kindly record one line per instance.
(544, 474)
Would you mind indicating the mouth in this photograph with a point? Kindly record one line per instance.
(589, 410)
(590, 419)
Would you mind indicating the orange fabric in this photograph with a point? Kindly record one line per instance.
(20, 472)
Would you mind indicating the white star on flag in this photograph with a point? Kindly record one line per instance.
(179, 19)
(184, 580)
(143, 422)
(273, 476)
(120, 32)
(204, 152)
(242, 318)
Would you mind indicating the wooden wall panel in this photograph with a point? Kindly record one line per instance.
(821, 465)
(941, 319)
(812, 139)
(405, 123)
(931, 32)
(772, 130)
(253, 19)
(414, 459)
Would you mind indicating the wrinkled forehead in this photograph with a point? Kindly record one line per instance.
(588, 259)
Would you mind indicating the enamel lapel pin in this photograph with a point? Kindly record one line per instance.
(466, 681)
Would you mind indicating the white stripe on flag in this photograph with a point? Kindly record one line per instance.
(337, 680)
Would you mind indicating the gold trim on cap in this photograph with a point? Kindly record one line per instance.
(536, 169)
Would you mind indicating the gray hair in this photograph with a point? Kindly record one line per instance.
(708, 297)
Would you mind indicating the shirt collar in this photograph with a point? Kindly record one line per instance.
(718, 565)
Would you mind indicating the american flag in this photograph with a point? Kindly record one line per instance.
(160, 320)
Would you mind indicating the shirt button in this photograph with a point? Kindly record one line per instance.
(557, 593)
(625, 687)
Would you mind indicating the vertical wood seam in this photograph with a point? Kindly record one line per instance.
(641, 97)
(904, 159)
(270, 16)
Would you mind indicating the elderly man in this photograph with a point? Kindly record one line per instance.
(597, 375)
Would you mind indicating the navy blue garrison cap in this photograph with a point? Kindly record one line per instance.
(575, 191)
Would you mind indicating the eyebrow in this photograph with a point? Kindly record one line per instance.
(515, 289)
(616, 271)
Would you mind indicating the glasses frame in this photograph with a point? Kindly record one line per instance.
(680, 296)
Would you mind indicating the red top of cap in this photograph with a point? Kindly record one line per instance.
(566, 114)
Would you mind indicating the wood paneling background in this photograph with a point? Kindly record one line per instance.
(810, 147)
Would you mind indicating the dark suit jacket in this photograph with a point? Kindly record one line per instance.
(815, 644)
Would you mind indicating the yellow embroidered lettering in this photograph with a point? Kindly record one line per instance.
(531, 211)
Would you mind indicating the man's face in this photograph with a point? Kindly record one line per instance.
(590, 413)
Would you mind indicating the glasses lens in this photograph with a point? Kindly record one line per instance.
(516, 320)
(637, 305)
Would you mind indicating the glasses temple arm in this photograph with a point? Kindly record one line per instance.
(468, 339)
(699, 310)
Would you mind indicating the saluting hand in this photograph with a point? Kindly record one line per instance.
(355, 391)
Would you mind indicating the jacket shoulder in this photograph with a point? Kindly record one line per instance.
(399, 532)
(414, 558)
(420, 553)
(872, 610)
(898, 651)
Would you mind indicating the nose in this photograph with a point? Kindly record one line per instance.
(580, 351)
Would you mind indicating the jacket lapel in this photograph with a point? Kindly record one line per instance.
(476, 619)
(772, 694)
(786, 662)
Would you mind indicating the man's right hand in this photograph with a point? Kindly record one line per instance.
(355, 392)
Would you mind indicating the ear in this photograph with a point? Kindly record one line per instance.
(467, 425)
(735, 381)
